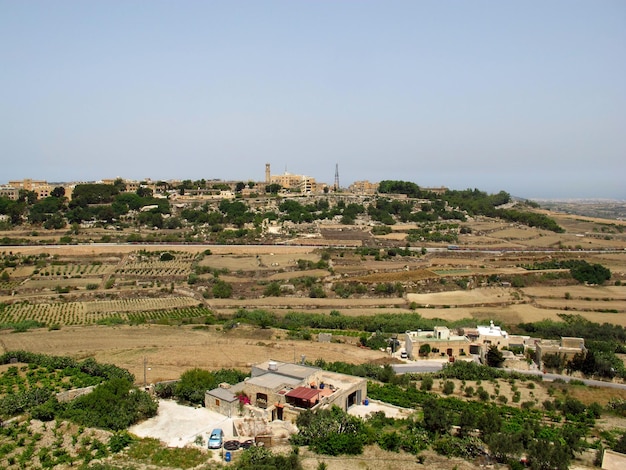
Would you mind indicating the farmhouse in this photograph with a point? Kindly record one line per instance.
(483, 337)
(280, 390)
(567, 347)
(438, 342)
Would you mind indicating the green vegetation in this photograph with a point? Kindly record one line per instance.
(193, 383)
(108, 204)
(580, 270)
(383, 322)
(113, 405)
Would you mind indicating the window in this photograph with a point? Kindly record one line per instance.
(217, 402)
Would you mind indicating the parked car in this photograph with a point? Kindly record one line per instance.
(404, 355)
(216, 439)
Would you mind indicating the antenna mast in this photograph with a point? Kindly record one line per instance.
(336, 177)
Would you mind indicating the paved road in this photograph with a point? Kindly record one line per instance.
(590, 382)
(420, 367)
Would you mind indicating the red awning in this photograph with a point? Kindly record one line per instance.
(303, 393)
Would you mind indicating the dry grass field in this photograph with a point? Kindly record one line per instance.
(444, 284)
(170, 350)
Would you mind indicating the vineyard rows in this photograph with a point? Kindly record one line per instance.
(138, 305)
(76, 270)
(86, 313)
(153, 272)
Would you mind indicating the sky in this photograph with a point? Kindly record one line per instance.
(528, 97)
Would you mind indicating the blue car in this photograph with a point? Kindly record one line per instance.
(216, 439)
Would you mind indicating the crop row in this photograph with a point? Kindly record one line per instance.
(86, 313)
(74, 269)
(153, 271)
(137, 305)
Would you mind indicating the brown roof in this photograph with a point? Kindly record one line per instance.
(303, 393)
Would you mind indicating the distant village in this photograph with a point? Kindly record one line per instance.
(182, 190)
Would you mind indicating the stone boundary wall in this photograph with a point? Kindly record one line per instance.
(70, 395)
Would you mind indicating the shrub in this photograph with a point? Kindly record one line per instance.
(427, 383)
(448, 387)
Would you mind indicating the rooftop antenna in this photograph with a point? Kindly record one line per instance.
(336, 177)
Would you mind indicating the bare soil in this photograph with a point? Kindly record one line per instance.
(169, 351)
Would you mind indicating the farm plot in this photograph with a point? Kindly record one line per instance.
(399, 276)
(270, 261)
(140, 266)
(481, 296)
(75, 269)
(38, 284)
(582, 304)
(154, 271)
(138, 305)
(578, 291)
(86, 313)
(296, 274)
(21, 271)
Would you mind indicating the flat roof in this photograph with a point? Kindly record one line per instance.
(285, 368)
(223, 394)
(273, 381)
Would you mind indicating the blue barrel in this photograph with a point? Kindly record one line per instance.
(227, 457)
(366, 402)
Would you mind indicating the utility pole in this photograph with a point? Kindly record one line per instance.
(336, 177)
(145, 363)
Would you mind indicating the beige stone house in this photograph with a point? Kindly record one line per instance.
(280, 390)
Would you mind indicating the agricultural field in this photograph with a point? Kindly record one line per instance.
(90, 313)
(159, 310)
(485, 279)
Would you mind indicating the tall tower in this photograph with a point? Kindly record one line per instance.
(336, 187)
(267, 173)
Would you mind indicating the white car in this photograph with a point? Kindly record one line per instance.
(404, 355)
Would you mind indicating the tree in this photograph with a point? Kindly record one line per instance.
(115, 405)
(261, 458)
(448, 387)
(427, 383)
(143, 191)
(547, 455)
(58, 192)
(436, 418)
(195, 382)
(222, 290)
(590, 273)
(494, 357)
(330, 431)
(29, 197)
(273, 188)
(620, 445)
(553, 361)
(272, 290)
(505, 446)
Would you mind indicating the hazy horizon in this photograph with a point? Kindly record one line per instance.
(523, 97)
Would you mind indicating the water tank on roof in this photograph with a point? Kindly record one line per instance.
(272, 365)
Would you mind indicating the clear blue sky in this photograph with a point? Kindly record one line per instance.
(524, 96)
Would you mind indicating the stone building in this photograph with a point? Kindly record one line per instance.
(440, 341)
(279, 390)
(567, 347)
